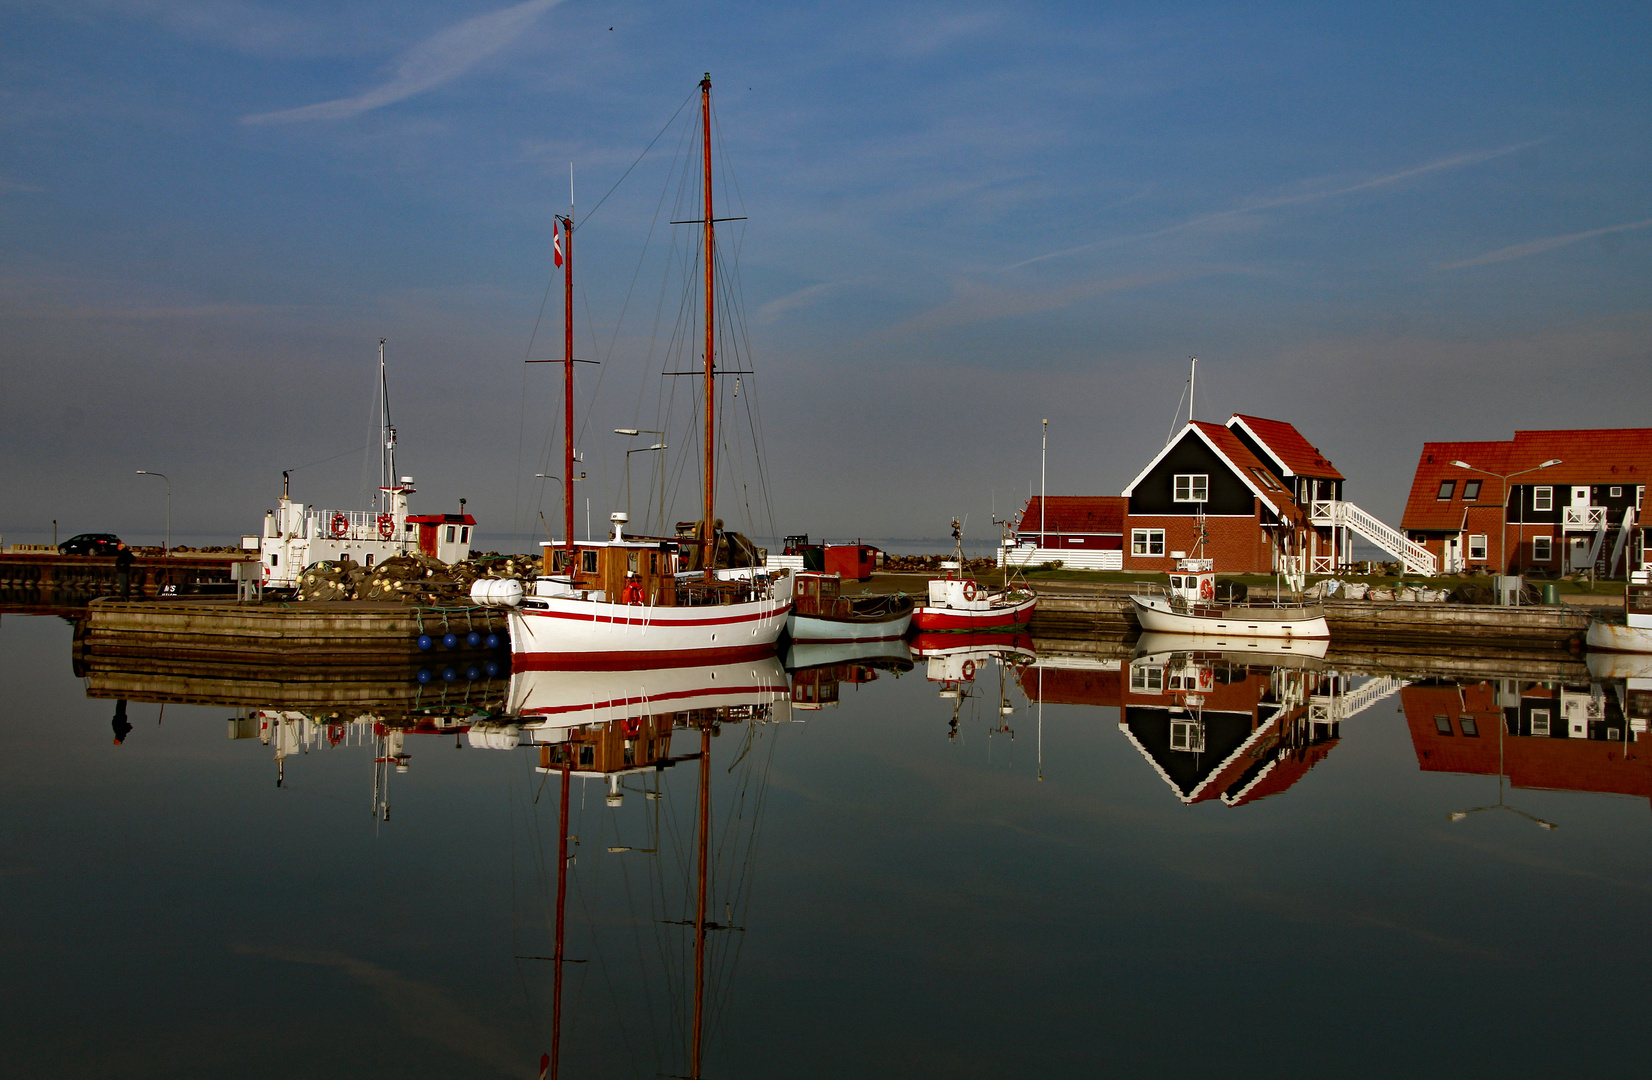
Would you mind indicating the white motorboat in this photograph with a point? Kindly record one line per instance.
(1189, 606)
(1634, 634)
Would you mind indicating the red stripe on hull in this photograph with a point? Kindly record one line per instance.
(636, 661)
(935, 619)
(581, 616)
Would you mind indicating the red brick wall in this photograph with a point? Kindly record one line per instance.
(1238, 545)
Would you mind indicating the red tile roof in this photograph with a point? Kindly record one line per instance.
(1239, 454)
(1298, 455)
(1606, 456)
(1072, 514)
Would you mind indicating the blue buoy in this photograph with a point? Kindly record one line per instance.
(426, 641)
(473, 639)
(450, 640)
(473, 673)
(449, 674)
(492, 641)
(491, 667)
(423, 676)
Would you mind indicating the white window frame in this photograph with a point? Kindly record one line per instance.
(1142, 542)
(1542, 549)
(1477, 541)
(1188, 736)
(1147, 678)
(1191, 487)
(1542, 497)
(1617, 491)
(1547, 721)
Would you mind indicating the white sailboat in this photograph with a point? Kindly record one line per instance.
(627, 603)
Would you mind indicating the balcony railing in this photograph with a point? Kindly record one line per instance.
(1585, 518)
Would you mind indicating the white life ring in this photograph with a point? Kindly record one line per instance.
(968, 669)
(970, 591)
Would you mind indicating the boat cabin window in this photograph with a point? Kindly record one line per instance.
(275, 560)
(450, 532)
(653, 562)
(369, 561)
(464, 535)
(588, 561)
(631, 562)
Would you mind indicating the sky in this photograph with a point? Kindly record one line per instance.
(1384, 223)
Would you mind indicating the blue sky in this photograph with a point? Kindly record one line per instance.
(1385, 224)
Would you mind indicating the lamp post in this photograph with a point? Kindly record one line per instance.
(1459, 815)
(633, 432)
(1043, 489)
(628, 453)
(1502, 524)
(548, 476)
(163, 476)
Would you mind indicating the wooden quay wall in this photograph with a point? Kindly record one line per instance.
(283, 633)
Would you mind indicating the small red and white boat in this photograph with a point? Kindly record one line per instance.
(959, 602)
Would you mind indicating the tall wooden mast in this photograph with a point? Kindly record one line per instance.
(707, 540)
(568, 376)
(561, 906)
(696, 1052)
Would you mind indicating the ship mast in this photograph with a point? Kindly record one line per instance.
(700, 890)
(387, 440)
(708, 543)
(568, 376)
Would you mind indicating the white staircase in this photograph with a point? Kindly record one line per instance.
(1416, 558)
(1336, 707)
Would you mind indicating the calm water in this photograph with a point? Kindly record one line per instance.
(1226, 888)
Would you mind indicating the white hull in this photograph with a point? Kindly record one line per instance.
(564, 632)
(813, 654)
(1155, 615)
(1269, 650)
(814, 628)
(1615, 637)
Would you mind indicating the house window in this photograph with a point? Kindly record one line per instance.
(1617, 492)
(1147, 541)
(1442, 725)
(1192, 487)
(450, 532)
(1446, 488)
(588, 561)
(1148, 678)
(1187, 735)
(1542, 498)
(1471, 490)
(1543, 549)
(1470, 728)
(1266, 479)
(1477, 546)
(1540, 722)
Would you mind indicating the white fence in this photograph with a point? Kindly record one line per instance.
(1078, 559)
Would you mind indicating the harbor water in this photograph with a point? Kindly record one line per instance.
(908, 882)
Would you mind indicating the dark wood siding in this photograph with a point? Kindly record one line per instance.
(1261, 455)
(1156, 493)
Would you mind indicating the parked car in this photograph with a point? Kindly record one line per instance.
(89, 544)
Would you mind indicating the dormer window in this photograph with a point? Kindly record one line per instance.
(1192, 487)
(1446, 489)
(1471, 490)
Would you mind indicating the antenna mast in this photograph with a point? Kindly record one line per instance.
(1192, 382)
(387, 439)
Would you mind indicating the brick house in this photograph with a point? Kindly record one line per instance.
(1248, 487)
(1545, 501)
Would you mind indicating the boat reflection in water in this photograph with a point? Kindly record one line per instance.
(955, 659)
(818, 669)
(611, 724)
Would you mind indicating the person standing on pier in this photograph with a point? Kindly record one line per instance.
(123, 569)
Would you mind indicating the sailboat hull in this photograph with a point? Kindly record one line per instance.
(566, 633)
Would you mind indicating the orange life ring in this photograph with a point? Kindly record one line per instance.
(633, 727)
(1206, 589)
(970, 592)
(339, 525)
(387, 526)
(1204, 678)
(969, 669)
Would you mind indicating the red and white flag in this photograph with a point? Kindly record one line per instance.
(545, 1059)
(556, 242)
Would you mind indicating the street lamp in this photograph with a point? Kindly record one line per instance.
(163, 476)
(1502, 525)
(633, 432)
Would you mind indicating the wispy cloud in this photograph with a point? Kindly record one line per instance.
(437, 60)
(1548, 243)
(8, 186)
(1225, 218)
(802, 298)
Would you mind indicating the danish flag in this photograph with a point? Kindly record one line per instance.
(556, 242)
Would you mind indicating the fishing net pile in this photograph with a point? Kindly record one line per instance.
(409, 579)
(732, 548)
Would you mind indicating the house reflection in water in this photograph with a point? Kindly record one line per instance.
(1585, 736)
(1216, 725)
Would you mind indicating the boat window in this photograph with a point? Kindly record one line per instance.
(1446, 488)
(464, 535)
(587, 754)
(1471, 490)
(450, 532)
(369, 560)
(1543, 498)
(1442, 725)
(275, 560)
(631, 561)
(588, 561)
(408, 527)
(653, 562)
(1192, 487)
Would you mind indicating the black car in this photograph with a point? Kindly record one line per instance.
(89, 544)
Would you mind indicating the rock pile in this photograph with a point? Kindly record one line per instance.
(409, 579)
